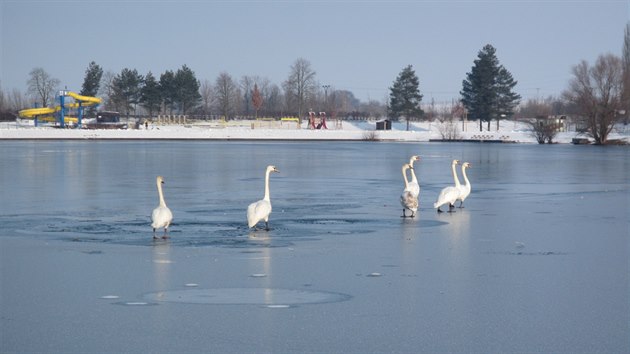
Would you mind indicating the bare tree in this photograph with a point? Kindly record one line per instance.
(430, 111)
(374, 109)
(247, 87)
(534, 107)
(4, 104)
(10, 103)
(273, 98)
(596, 91)
(42, 86)
(227, 95)
(543, 130)
(208, 96)
(17, 100)
(257, 100)
(625, 105)
(300, 86)
(4, 100)
(107, 91)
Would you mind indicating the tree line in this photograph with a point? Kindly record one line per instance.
(180, 92)
(599, 94)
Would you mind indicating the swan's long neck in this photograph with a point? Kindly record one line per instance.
(413, 175)
(267, 198)
(161, 194)
(457, 184)
(465, 177)
(404, 173)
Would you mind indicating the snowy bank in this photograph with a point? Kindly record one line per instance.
(509, 131)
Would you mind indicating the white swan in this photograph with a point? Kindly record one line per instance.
(261, 209)
(449, 194)
(161, 216)
(455, 178)
(464, 189)
(407, 199)
(414, 187)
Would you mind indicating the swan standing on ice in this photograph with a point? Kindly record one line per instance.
(449, 194)
(261, 209)
(464, 190)
(414, 187)
(161, 216)
(408, 200)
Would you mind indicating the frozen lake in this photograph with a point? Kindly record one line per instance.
(537, 261)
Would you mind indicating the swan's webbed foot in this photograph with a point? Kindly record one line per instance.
(461, 204)
(266, 226)
(439, 210)
(451, 207)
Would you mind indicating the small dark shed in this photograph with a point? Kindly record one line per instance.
(384, 125)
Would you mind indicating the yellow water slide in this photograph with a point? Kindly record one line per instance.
(85, 100)
(46, 113)
(36, 112)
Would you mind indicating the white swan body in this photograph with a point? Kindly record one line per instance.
(161, 216)
(449, 194)
(261, 209)
(464, 189)
(414, 186)
(408, 200)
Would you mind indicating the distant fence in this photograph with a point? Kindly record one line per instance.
(270, 123)
(171, 119)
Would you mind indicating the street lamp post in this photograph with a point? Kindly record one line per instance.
(325, 87)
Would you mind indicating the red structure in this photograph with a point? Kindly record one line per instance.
(317, 122)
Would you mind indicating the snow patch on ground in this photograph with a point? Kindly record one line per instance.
(509, 131)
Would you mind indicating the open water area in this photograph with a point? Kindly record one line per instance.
(536, 261)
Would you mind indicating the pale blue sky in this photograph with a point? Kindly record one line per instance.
(360, 46)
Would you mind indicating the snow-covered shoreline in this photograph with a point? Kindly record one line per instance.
(509, 131)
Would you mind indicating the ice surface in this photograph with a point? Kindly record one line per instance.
(537, 261)
(247, 296)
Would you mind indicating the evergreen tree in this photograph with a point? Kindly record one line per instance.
(168, 90)
(92, 81)
(91, 84)
(507, 99)
(187, 89)
(487, 91)
(151, 97)
(405, 97)
(127, 87)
